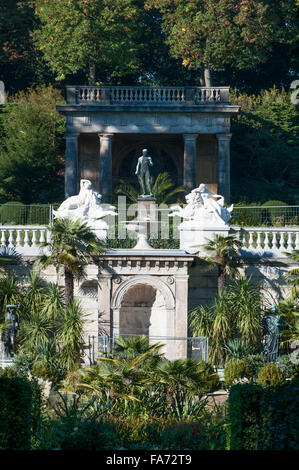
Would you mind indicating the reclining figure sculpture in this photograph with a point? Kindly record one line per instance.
(85, 206)
(204, 208)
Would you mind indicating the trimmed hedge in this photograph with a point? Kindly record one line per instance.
(20, 408)
(264, 418)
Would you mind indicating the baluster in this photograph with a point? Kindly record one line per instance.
(274, 241)
(3, 237)
(33, 241)
(19, 238)
(11, 239)
(26, 238)
(290, 242)
(297, 241)
(258, 241)
(281, 241)
(250, 241)
(266, 242)
(42, 237)
(49, 238)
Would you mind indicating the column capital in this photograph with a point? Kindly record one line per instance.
(190, 136)
(105, 136)
(224, 136)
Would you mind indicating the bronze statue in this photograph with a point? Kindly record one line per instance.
(12, 330)
(142, 169)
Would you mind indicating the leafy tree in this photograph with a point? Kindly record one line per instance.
(226, 256)
(30, 162)
(221, 32)
(264, 147)
(21, 64)
(72, 246)
(90, 33)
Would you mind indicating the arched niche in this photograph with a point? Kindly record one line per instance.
(143, 305)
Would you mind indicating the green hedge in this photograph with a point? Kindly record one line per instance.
(264, 418)
(20, 407)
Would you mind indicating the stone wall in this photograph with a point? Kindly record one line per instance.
(145, 289)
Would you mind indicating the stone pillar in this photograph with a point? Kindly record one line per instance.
(181, 314)
(105, 174)
(224, 165)
(71, 164)
(189, 161)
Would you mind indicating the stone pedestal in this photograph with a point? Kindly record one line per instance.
(146, 208)
(193, 237)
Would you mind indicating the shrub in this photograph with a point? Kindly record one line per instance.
(235, 371)
(273, 215)
(263, 418)
(270, 375)
(255, 362)
(20, 406)
(12, 213)
(286, 366)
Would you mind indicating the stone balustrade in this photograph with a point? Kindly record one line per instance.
(268, 242)
(136, 95)
(256, 241)
(24, 239)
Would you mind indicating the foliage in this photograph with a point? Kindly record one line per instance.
(292, 276)
(136, 381)
(73, 245)
(236, 370)
(226, 256)
(254, 363)
(75, 34)
(289, 312)
(264, 147)
(235, 314)
(220, 32)
(286, 366)
(238, 349)
(263, 418)
(31, 147)
(21, 64)
(20, 407)
(270, 375)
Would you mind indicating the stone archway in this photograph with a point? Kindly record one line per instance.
(145, 305)
(141, 306)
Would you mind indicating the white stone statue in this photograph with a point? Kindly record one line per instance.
(86, 206)
(204, 209)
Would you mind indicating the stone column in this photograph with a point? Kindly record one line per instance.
(224, 165)
(71, 164)
(190, 161)
(181, 314)
(105, 174)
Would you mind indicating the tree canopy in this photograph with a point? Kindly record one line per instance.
(223, 32)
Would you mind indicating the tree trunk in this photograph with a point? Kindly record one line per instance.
(221, 278)
(92, 73)
(207, 75)
(69, 285)
(202, 77)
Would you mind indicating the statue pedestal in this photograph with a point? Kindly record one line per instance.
(146, 208)
(193, 237)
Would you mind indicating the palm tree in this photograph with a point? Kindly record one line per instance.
(72, 246)
(161, 188)
(226, 256)
(292, 276)
(289, 311)
(235, 314)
